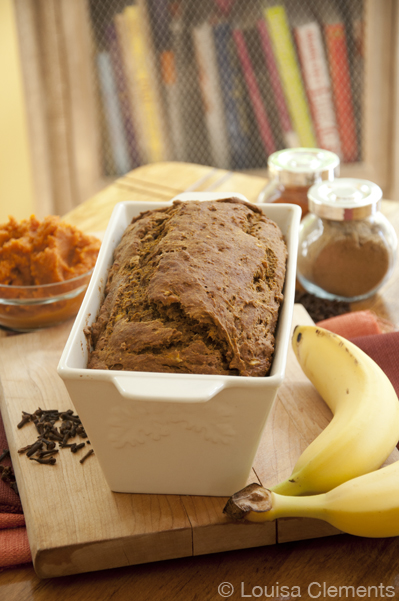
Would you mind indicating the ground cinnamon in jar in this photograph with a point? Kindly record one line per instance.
(297, 195)
(294, 170)
(347, 247)
(350, 260)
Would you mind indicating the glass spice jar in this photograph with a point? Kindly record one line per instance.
(294, 170)
(347, 247)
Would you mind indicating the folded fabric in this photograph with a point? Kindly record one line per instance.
(14, 547)
(349, 325)
(11, 520)
(9, 500)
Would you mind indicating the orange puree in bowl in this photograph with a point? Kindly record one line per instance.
(45, 268)
(34, 253)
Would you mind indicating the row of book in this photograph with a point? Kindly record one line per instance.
(229, 86)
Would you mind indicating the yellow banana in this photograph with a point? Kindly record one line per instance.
(365, 506)
(365, 424)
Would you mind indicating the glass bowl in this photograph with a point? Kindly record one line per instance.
(27, 308)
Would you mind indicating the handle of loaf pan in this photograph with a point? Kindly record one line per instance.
(170, 390)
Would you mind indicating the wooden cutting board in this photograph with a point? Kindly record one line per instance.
(76, 524)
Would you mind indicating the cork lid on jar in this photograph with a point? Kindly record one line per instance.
(303, 166)
(344, 199)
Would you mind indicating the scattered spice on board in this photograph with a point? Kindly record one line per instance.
(44, 450)
(320, 308)
(86, 456)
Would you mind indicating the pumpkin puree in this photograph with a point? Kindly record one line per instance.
(38, 254)
(34, 253)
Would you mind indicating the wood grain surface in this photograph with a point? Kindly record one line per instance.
(76, 524)
(342, 560)
(160, 182)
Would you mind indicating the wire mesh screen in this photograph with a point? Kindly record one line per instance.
(227, 82)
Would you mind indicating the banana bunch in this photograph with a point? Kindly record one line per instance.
(365, 425)
(338, 470)
(365, 506)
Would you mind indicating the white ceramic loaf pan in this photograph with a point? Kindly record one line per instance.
(174, 433)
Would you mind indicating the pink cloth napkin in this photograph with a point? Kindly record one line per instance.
(349, 325)
(14, 545)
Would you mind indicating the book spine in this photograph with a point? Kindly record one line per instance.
(114, 48)
(205, 53)
(290, 136)
(172, 95)
(159, 18)
(234, 97)
(146, 95)
(113, 114)
(137, 111)
(290, 74)
(357, 28)
(337, 53)
(260, 113)
(318, 85)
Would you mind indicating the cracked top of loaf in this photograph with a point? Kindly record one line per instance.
(194, 288)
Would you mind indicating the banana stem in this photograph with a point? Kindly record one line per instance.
(291, 507)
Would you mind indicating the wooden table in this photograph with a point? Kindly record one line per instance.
(308, 567)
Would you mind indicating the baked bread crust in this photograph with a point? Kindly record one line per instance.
(194, 288)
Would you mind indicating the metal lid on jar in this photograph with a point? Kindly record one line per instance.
(344, 199)
(303, 166)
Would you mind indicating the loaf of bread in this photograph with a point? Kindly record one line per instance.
(194, 288)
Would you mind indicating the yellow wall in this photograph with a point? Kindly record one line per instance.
(16, 184)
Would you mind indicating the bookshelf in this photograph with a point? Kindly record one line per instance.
(113, 84)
